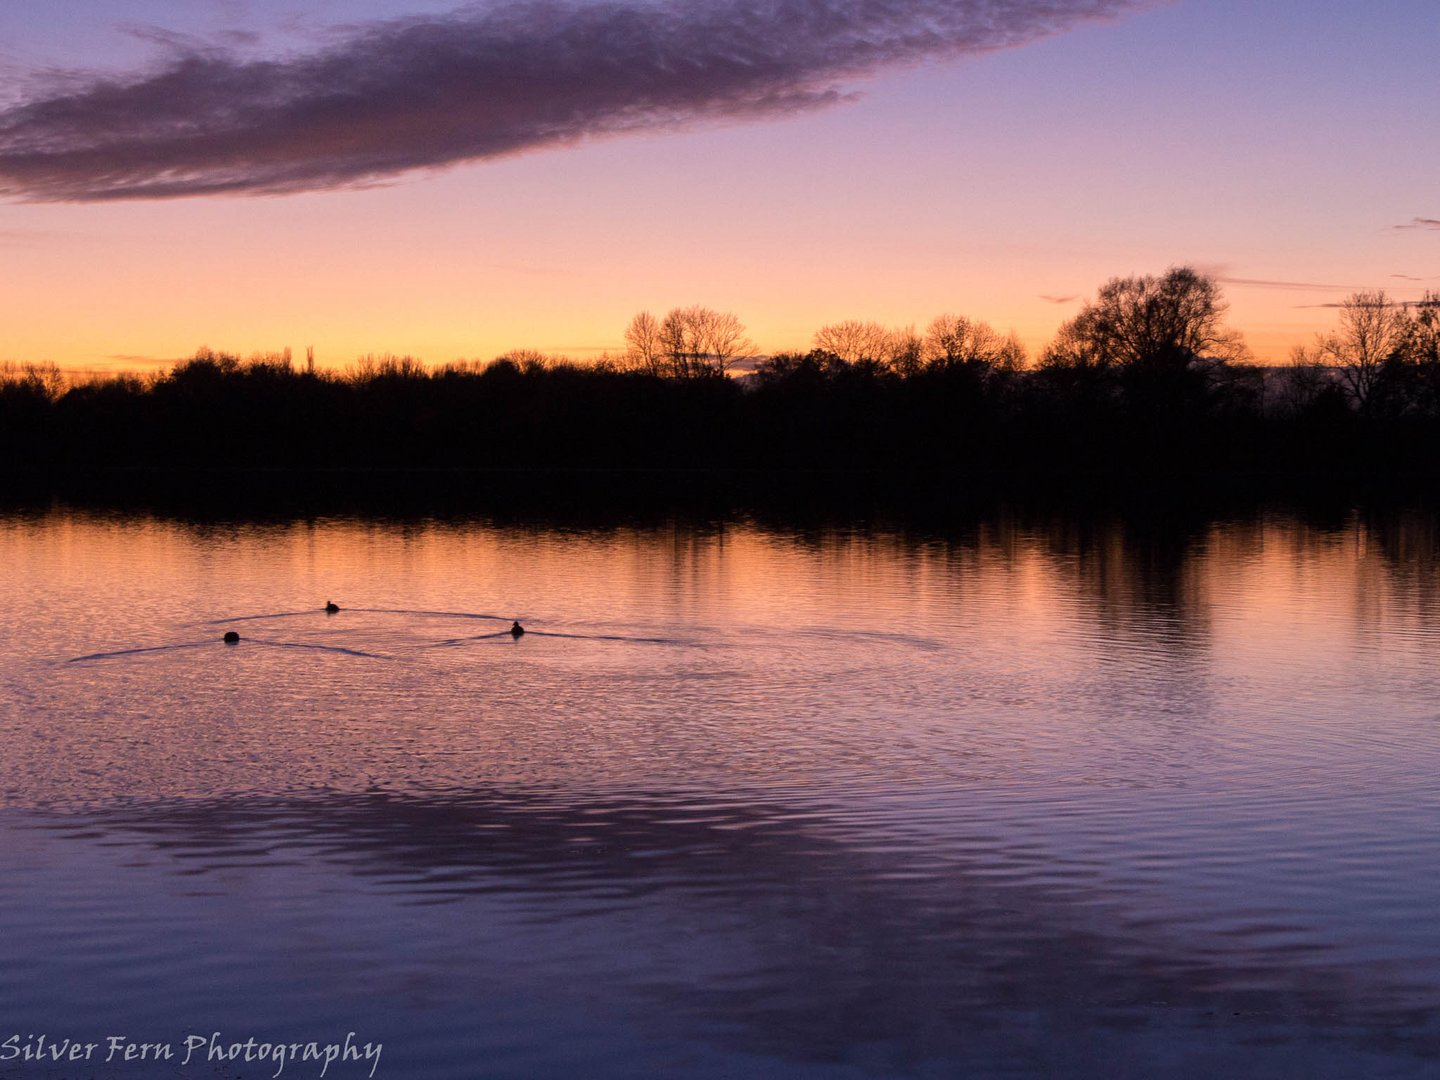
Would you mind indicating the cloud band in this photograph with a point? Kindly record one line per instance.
(425, 93)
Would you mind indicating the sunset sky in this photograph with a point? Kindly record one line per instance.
(404, 176)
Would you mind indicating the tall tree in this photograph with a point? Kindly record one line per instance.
(1149, 324)
(688, 343)
(1372, 331)
(698, 342)
(1422, 337)
(643, 348)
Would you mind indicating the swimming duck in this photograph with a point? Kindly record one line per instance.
(231, 637)
(516, 629)
(331, 607)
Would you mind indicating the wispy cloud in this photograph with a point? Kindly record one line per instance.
(1059, 299)
(1420, 223)
(424, 93)
(23, 237)
(1302, 286)
(1346, 303)
(139, 358)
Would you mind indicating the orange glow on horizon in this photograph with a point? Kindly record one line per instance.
(1007, 189)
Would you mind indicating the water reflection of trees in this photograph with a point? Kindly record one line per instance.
(1149, 574)
(1397, 555)
(1142, 576)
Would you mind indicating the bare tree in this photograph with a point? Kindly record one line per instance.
(1372, 331)
(1012, 354)
(681, 344)
(870, 343)
(1302, 382)
(853, 341)
(697, 342)
(1169, 323)
(643, 349)
(1076, 349)
(1422, 332)
(907, 351)
(1422, 352)
(530, 361)
(41, 381)
(387, 366)
(724, 339)
(955, 341)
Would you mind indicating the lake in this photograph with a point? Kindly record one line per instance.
(1029, 795)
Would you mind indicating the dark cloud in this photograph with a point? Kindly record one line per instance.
(423, 93)
(1420, 223)
(1059, 299)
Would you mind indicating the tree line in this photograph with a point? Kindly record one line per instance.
(1146, 376)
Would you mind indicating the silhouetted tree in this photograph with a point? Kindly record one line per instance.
(871, 345)
(1300, 384)
(812, 368)
(43, 382)
(855, 342)
(1372, 331)
(907, 352)
(689, 343)
(953, 341)
(644, 350)
(531, 360)
(1422, 331)
(1422, 351)
(1137, 382)
(388, 367)
(1153, 324)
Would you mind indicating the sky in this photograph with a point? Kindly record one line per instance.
(413, 177)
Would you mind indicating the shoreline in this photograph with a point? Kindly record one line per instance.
(636, 495)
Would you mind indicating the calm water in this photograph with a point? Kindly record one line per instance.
(1035, 799)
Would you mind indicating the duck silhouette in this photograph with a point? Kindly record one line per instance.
(331, 607)
(516, 629)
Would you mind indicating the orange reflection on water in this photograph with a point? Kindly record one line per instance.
(1008, 650)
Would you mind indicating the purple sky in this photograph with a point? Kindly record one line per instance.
(796, 161)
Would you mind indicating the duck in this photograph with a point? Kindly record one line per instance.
(331, 607)
(516, 629)
(231, 638)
